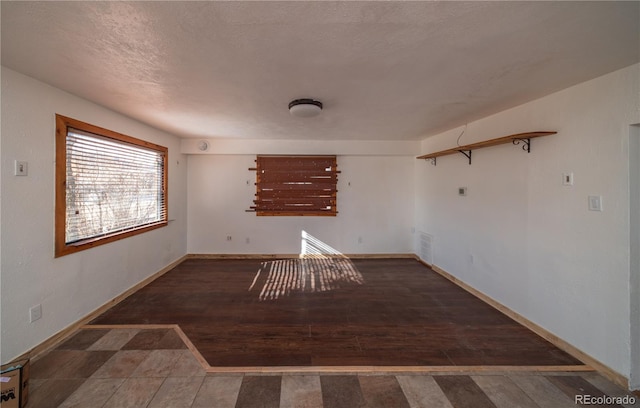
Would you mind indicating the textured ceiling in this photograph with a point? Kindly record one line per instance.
(384, 70)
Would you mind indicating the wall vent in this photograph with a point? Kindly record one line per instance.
(426, 247)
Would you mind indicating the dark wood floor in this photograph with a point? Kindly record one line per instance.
(382, 312)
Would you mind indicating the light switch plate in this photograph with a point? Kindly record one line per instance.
(21, 168)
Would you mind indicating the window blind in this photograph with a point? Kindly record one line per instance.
(111, 186)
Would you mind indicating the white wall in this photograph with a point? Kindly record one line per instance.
(526, 240)
(634, 279)
(375, 208)
(70, 287)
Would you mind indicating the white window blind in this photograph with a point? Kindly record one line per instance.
(111, 186)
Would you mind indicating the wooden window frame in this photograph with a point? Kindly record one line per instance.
(63, 124)
(290, 174)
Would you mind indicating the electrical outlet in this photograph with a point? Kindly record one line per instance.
(228, 237)
(462, 191)
(35, 313)
(567, 179)
(247, 240)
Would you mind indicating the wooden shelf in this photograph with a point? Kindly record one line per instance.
(517, 139)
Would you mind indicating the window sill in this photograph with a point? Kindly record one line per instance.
(77, 246)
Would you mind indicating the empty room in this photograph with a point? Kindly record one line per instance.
(320, 204)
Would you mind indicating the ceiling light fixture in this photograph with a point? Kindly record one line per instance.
(305, 108)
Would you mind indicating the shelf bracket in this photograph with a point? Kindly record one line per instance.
(467, 153)
(526, 146)
(432, 160)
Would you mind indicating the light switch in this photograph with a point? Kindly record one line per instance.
(21, 168)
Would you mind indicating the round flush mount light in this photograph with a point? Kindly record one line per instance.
(305, 108)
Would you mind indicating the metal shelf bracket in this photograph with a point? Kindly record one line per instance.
(526, 144)
(467, 153)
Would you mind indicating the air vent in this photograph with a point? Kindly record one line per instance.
(426, 247)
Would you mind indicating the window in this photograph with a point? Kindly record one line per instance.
(109, 186)
(296, 185)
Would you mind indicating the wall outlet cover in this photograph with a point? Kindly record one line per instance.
(595, 203)
(567, 179)
(21, 168)
(35, 313)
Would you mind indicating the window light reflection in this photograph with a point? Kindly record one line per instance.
(319, 268)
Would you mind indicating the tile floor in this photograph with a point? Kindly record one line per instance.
(154, 368)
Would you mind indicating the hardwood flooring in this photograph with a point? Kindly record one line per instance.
(381, 312)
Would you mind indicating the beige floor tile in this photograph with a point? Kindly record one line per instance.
(300, 391)
(503, 392)
(158, 363)
(122, 364)
(114, 340)
(218, 391)
(187, 366)
(93, 393)
(134, 393)
(542, 391)
(176, 392)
